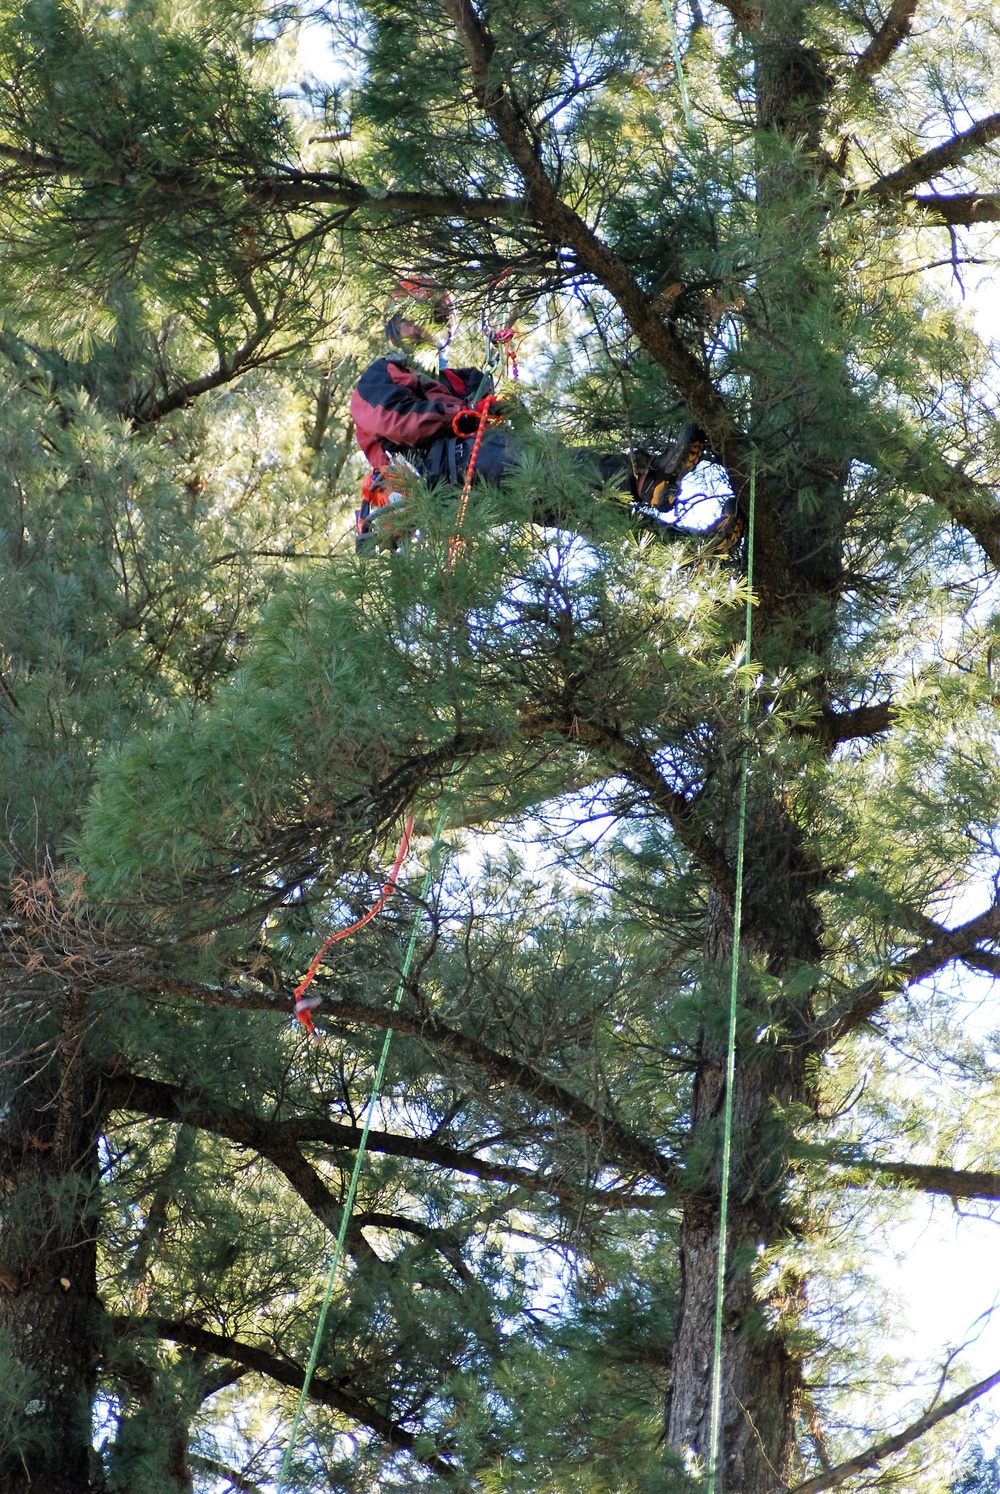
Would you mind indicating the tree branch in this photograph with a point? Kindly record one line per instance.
(833, 727)
(891, 35)
(285, 1373)
(747, 17)
(970, 503)
(952, 153)
(152, 1097)
(640, 769)
(302, 189)
(222, 1470)
(243, 360)
(290, 190)
(959, 209)
(948, 1182)
(882, 1450)
(614, 1140)
(861, 1004)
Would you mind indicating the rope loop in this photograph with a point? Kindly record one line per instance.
(456, 543)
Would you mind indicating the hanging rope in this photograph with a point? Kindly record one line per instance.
(727, 1114)
(306, 1005)
(456, 544)
(675, 47)
(352, 1188)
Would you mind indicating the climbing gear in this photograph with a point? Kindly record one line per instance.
(306, 1005)
(456, 544)
(359, 1156)
(502, 337)
(467, 422)
(727, 1112)
(658, 486)
(381, 521)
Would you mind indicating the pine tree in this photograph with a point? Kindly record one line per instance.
(211, 750)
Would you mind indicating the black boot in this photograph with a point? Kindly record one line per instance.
(658, 486)
(727, 531)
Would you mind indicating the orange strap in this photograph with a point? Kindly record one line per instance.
(305, 1005)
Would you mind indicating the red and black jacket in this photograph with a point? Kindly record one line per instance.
(395, 407)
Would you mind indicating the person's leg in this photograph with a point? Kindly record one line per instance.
(648, 485)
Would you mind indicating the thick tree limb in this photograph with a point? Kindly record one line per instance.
(970, 503)
(959, 209)
(284, 1373)
(614, 1140)
(948, 1182)
(290, 190)
(833, 727)
(891, 35)
(861, 1004)
(639, 768)
(152, 1097)
(311, 189)
(941, 158)
(747, 17)
(877, 1454)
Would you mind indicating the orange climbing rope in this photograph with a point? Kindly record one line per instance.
(306, 1005)
(456, 544)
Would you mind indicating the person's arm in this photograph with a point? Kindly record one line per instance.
(389, 404)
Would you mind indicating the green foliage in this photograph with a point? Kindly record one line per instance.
(214, 718)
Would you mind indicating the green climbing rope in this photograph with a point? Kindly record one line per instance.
(345, 1219)
(675, 47)
(727, 1114)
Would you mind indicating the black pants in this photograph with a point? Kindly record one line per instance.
(500, 455)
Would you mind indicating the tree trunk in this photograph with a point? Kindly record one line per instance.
(49, 1314)
(761, 1378)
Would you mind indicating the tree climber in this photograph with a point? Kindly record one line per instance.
(414, 424)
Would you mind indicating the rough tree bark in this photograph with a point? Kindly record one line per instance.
(762, 1377)
(49, 1311)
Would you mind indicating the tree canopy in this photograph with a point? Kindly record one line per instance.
(215, 717)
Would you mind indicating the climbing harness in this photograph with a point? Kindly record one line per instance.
(727, 1114)
(306, 1005)
(369, 1112)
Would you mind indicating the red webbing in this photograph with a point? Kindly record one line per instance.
(304, 1005)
